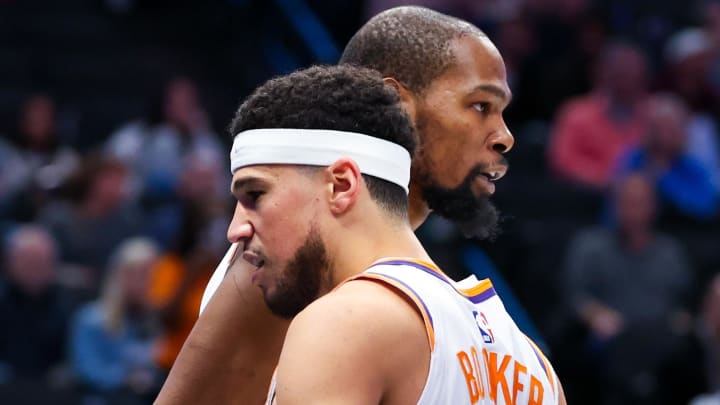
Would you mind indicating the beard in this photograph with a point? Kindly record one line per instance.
(474, 216)
(302, 280)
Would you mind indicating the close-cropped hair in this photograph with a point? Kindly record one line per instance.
(410, 44)
(341, 98)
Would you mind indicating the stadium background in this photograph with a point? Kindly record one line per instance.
(84, 85)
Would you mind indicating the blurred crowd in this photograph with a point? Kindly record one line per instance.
(611, 207)
(106, 253)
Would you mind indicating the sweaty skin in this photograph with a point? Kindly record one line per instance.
(230, 355)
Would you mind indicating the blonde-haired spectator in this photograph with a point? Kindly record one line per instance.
(111, 341)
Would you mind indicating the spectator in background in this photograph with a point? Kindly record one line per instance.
(708, 333)
(195, 245)
(34, 309)
(706, 357)
(628, 285)
(157, 148)
(35, 163)
(684, 186)
(689, 54)
(593, 130)
(111, 340)
(97, 216)
(711, 14)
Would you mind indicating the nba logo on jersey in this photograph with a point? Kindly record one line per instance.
(482, 324)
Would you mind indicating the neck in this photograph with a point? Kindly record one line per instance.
(418, 209)
(373, 238)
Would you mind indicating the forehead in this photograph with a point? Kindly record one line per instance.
(477, 63)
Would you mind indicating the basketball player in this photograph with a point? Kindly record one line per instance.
(452, 83)
(322, 216)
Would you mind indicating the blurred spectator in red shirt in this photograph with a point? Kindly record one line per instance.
(593, 130)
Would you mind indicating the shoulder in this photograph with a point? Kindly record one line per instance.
(361, 338)
(364, 309)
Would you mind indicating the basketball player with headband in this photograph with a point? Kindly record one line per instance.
(451, 81)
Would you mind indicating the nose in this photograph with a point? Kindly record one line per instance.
(502, 140)
(240, 229)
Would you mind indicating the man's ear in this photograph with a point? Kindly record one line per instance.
(345, 181)
(407, 99)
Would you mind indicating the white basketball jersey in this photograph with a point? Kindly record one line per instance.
(479, 356)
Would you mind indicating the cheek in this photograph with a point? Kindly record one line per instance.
(451, 156)
(285, 227)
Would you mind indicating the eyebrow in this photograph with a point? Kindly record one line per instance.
(496, 90)
(245, 182)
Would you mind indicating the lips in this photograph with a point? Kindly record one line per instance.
(483, 184)
(256, 261)
(495, 173)
(253, 258)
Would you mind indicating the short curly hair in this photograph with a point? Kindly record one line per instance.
(410, 44)
(342, 98)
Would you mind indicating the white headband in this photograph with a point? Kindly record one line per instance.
(321, 147)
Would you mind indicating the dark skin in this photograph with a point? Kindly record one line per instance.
(232, 352)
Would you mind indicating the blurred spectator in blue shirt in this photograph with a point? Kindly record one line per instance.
(683, 184)
(689, 54)
(111, 340)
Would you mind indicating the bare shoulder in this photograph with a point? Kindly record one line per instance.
(362, 339)
(367, 310)
(363, 297)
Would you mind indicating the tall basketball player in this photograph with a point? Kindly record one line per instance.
(452, 83)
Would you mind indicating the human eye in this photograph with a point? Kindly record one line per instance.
(249, 198)
(482, 107)
(254, 195)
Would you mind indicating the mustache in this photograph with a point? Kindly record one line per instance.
(481, 168)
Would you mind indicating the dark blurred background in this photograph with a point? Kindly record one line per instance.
(114, 178)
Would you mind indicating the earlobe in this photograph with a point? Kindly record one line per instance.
(407, 99)
(345, 180)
